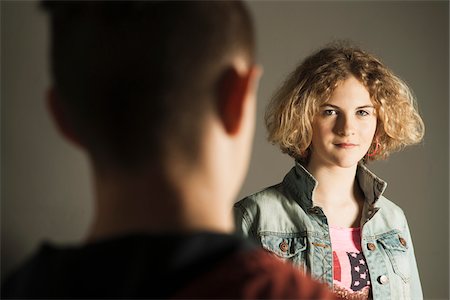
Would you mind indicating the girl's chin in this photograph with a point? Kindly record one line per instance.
(347, 163)
(340, 160)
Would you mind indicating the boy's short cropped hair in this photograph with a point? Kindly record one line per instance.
(137, 77)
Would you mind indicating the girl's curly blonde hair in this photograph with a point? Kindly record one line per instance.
(291, 111)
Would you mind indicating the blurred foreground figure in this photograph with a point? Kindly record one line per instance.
(162, 97)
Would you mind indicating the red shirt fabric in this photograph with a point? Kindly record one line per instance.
(254, 274)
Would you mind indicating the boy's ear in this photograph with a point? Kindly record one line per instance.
(60, 117)
(236, 88)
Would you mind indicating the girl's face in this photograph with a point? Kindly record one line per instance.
(344, 127)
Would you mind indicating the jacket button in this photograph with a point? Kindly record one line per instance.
(402, 241)
(371, 246)
(284, 246)
(383, 279)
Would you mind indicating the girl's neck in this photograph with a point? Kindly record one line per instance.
(338, 194)
(336, 185)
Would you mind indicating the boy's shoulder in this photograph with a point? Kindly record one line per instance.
(255, 274)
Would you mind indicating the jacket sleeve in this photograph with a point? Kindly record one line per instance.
(415, 286)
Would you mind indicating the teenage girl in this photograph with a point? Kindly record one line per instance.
(338, 110)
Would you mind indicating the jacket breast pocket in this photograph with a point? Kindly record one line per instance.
(286, 247)
(397, 250)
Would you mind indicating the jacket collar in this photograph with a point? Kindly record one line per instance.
(302, 184)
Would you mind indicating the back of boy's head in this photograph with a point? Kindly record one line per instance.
(137, 77)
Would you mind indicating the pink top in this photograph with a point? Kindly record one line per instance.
(351, 275)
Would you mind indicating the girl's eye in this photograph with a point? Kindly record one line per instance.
(329, 112)
(362, 113)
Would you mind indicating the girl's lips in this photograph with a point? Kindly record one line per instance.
(345, 145)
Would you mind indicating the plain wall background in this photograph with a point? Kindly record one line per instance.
(45, 182)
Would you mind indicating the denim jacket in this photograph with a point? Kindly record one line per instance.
(284, 213)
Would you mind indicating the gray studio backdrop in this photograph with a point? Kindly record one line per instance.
(45, 182)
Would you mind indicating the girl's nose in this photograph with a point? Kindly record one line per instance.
(345, 126)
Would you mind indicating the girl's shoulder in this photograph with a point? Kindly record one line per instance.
(276, 197)
(388, 215)
(273, 204)
(386, 206)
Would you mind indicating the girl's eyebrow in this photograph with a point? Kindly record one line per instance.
(337, 107)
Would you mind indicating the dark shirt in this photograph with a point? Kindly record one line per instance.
(203, 265)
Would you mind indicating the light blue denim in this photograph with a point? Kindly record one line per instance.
(284, 213)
